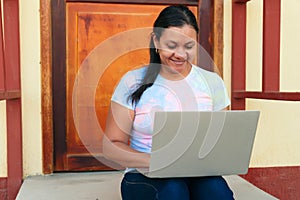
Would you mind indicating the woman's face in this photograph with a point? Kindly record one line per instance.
(177, 48)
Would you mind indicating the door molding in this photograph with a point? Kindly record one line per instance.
(46, 93)
(53, 64)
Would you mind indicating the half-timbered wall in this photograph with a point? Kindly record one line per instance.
(265, 72)
(262, 41)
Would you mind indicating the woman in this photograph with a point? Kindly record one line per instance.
(170, 82)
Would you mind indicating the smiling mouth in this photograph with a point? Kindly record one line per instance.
(178, 62)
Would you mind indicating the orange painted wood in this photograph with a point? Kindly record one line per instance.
(217, 36)
(46, 86)
(88, 27)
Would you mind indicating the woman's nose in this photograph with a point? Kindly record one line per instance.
(180, 53)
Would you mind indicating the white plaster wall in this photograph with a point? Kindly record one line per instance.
(290, 46)
(31, 86)
(3, 140)
(277, 140)
(254, 45)
(278, 135)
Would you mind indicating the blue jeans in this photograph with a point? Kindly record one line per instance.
(136, 186)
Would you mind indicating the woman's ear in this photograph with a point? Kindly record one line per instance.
(155, 41)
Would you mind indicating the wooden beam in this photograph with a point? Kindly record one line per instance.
(9, 95)
(283, 96)
(271, 45)
(14, 147)
(205, 34)
(12, 46)
(218, 42)
(238, 71)
(13, 106)
(46, 71)
(2, 72)
(58, 19)
(240, 1)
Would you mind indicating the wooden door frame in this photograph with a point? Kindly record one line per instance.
(53, 62)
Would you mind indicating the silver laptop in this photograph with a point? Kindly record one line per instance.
(190, 143)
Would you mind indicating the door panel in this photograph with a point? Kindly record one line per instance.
(88, 27)
(99, 52)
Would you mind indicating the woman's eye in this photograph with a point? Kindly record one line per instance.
(189, 46)
(171, 46)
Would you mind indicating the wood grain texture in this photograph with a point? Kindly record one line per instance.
(104, 41)
(58, 45)
(218, 43)
(59, 75)
(46, 93)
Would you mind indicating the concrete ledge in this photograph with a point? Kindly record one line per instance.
(244, 190)
(106, 186)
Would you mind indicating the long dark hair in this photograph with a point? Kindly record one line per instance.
(176, 16)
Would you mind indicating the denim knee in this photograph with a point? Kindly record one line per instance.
(136, 186)
(135, 190)
(211, 188)
(175, 189)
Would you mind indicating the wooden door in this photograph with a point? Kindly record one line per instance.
(104, 41)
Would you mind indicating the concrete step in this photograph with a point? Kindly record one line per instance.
(106, 186)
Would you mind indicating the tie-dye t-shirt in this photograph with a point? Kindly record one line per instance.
(201, 90)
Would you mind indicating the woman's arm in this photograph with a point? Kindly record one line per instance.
(116, 138)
